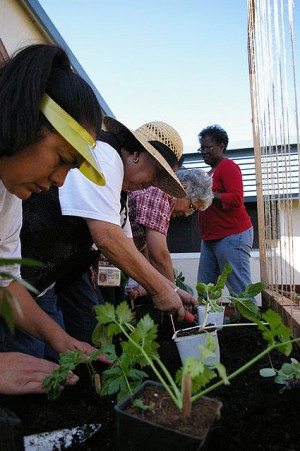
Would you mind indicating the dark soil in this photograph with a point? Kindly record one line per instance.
(254, 415)
(164, 412)
(193, 331)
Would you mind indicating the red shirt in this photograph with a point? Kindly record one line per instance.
(220, 221)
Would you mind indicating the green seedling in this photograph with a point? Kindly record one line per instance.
(288, 375)
(68, 361)
(138, 349)
(211, 296)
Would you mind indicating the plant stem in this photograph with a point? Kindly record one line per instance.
(242, 368)
(175, 399)
(168, 376)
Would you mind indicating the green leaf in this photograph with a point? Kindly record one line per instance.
(179, 281)
(253, 290)
(124, 314)
(247, 308)
(201, 288)
(105, 313)
(101, 337)
(109, 350)
(267, 372)
(144, 335)
(222, 279)
(6, 311)
(222, 372)
(275, 331)
(20, 261)
(140, 405)
(200, 374)
(215, 307)
(280, 380)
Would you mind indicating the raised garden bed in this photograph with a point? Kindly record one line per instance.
(254, 414)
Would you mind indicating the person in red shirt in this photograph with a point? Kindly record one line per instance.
(225, 227)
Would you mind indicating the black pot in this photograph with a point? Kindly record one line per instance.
(135, 433)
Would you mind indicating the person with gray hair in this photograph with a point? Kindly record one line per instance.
(150, 211)
(198, 188)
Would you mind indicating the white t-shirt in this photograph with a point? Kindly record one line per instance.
(10, 226)
(81, 197)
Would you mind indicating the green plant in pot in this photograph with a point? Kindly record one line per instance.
(192, 382)
(210, 296)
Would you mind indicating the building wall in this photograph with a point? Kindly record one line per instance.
(17, 27)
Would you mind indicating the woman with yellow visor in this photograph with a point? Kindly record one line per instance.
(48, 121)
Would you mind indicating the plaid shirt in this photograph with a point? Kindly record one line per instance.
(150, 208)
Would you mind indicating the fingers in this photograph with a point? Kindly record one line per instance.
(103, 358)
(72, 378)
(181, 313)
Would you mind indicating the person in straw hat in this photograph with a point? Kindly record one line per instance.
(131, 160)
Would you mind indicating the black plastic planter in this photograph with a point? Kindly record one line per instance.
(135, 433)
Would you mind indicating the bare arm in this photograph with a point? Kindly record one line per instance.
(39, 324)
(121, 251)
(159, 255)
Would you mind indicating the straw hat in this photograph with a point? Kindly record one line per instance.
(162, 133)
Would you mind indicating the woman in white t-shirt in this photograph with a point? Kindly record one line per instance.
(44, 107)
(130, 161)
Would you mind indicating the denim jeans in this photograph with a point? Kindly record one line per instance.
(21, 341)
(77, 303)
(233, 249)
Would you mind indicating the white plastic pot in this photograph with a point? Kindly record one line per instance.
(212, 317)
(188, 346)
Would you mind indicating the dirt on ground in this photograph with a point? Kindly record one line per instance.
(254, 416)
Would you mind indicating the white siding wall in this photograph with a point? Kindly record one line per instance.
(17, 30)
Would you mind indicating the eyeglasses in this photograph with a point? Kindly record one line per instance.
(207, 149)
(191, 209)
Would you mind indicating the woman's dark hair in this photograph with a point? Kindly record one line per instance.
(215, 132)
(24, 79)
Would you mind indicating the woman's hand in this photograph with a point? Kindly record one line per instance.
(187, 299)
(66, 342)
(168, 300)
(22, 373)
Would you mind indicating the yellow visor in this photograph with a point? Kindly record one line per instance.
(76, 135)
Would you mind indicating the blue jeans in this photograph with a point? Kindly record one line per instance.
(21, 341)
(77, 303)
(233, 249)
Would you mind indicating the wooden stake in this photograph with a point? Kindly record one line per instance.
(187, 394)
